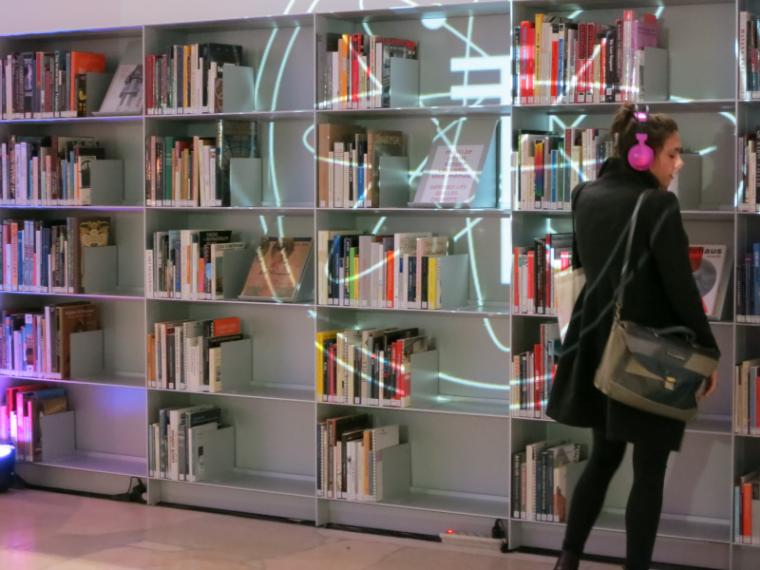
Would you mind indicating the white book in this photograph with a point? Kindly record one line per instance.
(198, 439)
(331, 179)
(403, 244)
(338, 153)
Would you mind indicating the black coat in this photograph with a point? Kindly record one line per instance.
(662, 292)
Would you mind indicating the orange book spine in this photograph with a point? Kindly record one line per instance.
(83, 62)
(226, 326)
(746, 510)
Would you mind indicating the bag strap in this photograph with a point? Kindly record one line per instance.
(628, 247)
(573, 261)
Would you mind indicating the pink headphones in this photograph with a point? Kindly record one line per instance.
(640, 155)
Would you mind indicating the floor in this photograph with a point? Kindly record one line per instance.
(40, 530)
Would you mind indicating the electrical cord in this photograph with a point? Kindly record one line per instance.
(499, 530)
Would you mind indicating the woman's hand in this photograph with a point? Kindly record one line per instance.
(710, 384)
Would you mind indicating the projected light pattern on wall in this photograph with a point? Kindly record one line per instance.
(465, 80)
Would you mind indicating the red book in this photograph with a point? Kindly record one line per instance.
(590, 46)
(516, 280)
(226, 326)
(554, 81)
(538, 383)
(389, 285)
(149, 79)
(531, 64)
(746, 522)
(531, 280)
(580, 65)
(549, 253)
(83, 62)
(525, 28)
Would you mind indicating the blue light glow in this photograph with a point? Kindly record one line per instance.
(505, 228)
(6, 450)
(262, 67)
(502, 347)
(470, 224)
(472, 383)
(378, 225)
(434, 21)
(577, 121)
(739, 193)
(305, 139)
(280, 229)
(707, 150)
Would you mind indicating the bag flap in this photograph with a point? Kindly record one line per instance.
(667, 356)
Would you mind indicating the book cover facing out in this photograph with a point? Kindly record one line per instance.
(277, 269)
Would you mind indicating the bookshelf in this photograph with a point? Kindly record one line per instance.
(463, 437)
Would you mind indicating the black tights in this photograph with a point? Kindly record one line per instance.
(642, 513)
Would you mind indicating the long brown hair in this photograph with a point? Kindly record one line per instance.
(658, 128)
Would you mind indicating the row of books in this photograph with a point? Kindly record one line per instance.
(535, 268)
(748, 189)
(46, 256)
(543, 476)
(46, 84)
(357, 69)
(563, 61)
(188, 78)
(358, 462)
(398, 270)
(188, 264)
(748, 283)
(349, 160)
(370, 367)
(547, 166)
(747, 509)
(195, 171)
(187, 354)
(533, 374)
(38, 343)
(747, 398)
(178, 443)
(749, 55)
(48, 170)
(41, 256)
(20, 412)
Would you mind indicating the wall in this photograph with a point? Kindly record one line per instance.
(49, 15)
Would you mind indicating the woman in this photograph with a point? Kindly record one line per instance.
(661, 292)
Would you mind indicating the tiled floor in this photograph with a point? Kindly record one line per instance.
(53, 531)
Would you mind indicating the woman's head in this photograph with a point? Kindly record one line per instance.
(662, 136)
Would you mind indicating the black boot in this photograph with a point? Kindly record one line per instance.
(567, 561)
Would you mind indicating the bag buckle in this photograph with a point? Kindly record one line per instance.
(670, 383)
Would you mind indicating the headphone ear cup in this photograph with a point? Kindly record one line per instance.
(641, 155)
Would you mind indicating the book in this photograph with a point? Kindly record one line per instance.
(81, 63)
(234, 139)
(711, 269)
(125, 92)
(277, 270)
(451, 175)
(73, 318)
(95, 232)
